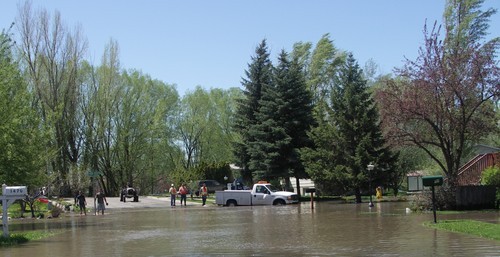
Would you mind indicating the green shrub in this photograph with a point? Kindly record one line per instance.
(13, 240)
(491, 176)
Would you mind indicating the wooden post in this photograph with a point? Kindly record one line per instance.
(312, 200)
(311, 191)
(434, 204)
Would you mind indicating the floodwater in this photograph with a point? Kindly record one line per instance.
(330, 229)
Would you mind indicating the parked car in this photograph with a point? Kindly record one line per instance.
(212, 185)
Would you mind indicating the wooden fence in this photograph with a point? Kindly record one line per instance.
(476, 197)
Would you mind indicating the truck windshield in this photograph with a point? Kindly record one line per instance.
(273, 188)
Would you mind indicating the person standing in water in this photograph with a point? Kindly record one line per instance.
(81, 202)
(173, 193)
(101, 199)
(183, 192)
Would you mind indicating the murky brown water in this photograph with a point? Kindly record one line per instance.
(296, 230)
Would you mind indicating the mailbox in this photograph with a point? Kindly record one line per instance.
(311, 190)
(429, 181)
(15, 190)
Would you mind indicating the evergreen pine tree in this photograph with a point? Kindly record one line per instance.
(267, 150)
(296, 112)
(259, 73)
(284, 117)
(349, 137)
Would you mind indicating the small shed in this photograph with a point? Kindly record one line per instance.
(414, 180)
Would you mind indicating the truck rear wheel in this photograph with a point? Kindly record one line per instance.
(231, 203)
(279, 202)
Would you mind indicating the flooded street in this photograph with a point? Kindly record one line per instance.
(294, 230)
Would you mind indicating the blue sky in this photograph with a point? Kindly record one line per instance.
(210, 43)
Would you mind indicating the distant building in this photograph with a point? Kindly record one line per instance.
(304, 184)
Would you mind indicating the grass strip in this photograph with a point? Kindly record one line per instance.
(24, 237)
(470, 227)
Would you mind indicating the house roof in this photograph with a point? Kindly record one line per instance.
(416, 173)
(482, 149)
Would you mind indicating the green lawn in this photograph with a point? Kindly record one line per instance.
(471, 227)
(19, 238)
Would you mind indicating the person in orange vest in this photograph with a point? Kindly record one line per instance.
(172, 192)
(183, 192)
(204, 194)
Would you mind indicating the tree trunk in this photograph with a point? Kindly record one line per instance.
(357, 193)
(297, 182)
(23, 208)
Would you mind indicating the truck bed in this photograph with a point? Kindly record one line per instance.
(240, 197)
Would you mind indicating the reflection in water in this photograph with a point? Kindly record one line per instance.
(296, 230)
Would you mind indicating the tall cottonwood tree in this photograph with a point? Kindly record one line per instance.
(319, 66)
(192, 123)
(22, 155)
(128, 133)
(217, 142)
(135, 124)
(99, 104)
(258, 75)
(159, 101)
(203, 127)
(51, 56)
(444, 99)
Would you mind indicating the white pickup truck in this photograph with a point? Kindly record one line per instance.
(261, 194)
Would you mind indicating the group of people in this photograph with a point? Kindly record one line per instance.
(183, 191)
(99, 198)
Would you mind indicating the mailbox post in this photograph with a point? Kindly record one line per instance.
(370, 168)
(431, 181)
(9, 195)
(311, 191)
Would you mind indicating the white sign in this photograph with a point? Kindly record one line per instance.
(15, 190)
